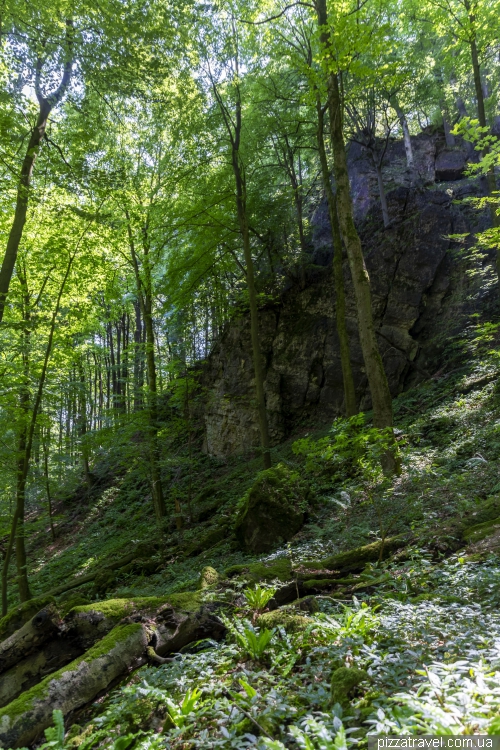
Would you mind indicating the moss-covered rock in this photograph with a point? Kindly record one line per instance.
(273, 509)
(291, 621)
(188, 601)
(344, 681)
(307, 604)
(17, 617)
(208, 577)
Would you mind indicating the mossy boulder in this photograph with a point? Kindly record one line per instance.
(273, 510)
(290, 621)
(208, 577)
(344, 682)
(307, 604)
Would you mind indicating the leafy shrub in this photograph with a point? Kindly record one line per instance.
(351, 449)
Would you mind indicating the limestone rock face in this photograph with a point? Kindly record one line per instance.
(421, 297)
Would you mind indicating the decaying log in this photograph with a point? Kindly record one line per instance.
(91, 647)
(31, 670)
(23, 720)
(175, 629)
(31, 636)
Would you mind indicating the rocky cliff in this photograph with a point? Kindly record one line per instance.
(421, 295)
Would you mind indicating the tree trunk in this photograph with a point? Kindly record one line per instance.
(83, 427)
(138, 384)
(145, 296)
(25, 449)
(481, 113)
(28, 639)
(241, 210)
(448, 135)
(80, 682)
(46, 105)
(46, 447)
(377, 379)
(338, 274)
(410, 161)
(383, 199)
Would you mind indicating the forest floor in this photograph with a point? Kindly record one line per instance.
(407, 645)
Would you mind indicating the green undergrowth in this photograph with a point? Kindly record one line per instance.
(407, 644)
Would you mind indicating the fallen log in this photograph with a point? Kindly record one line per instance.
(33, 669)
(23, 720)
(92, 646)
(31, 636)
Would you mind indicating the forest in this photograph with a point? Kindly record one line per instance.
(249, 373)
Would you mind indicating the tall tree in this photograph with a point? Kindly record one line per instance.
(47, 101)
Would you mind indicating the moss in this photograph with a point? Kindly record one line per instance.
(356, 559)
(208, 577)
(189, 601)
(344, 680)
(280, 618)
(481, 530)
(117, 609)
(281, 568)
(317, 583)
(77, 600)
(25, 701)
(20, 615)
(272, 510)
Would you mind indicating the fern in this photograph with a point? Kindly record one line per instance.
(55, 735)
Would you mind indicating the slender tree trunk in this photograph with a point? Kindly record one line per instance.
(46, 105)
(338, 274)
(145, 296)
(377, 379)
(83, 427)
(410, 161)
(21, 563)
(112, 367)
(25, 451)
(448, 135)
(481, 113)
(241, 210)
(159, 501)
(296, 183)
(138, 403)
(46, 445)
(383, 199)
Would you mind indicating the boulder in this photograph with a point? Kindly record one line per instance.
(273, 509)
(450, 165)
